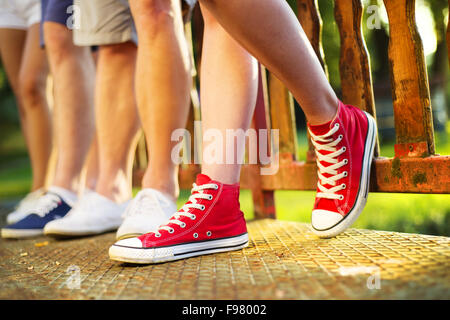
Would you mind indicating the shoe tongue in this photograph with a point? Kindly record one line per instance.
(320, 129)
(202, 179)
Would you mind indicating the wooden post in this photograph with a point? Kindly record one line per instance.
(263, 200)
(354, 62)
(409, 80)
(309, 17)
(194, 111)
(282, 118)
(140, 160)
(448, 34)
(274, 110)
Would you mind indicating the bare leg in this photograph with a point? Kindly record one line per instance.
(116, 118)
(162, 86)
(27, 70)
(273, 34)
(229, 82)
(73, 70)
(32, 89)
(12, 44)
(92, 165)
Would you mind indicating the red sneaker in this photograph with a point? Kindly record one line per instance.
(344, 150)
(211, 221)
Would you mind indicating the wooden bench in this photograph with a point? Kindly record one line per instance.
(416, 168)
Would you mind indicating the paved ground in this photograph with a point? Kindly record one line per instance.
(283, 261)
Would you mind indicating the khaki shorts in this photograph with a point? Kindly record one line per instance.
(103, 22)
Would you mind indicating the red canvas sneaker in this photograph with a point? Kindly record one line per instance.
(211, 221)
(344, 150)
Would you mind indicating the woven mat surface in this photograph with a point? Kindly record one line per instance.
(284, 260)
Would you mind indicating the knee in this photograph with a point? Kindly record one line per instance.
(209, 20)
(118, 50)
(152, 16)
(31, 89)
(58, 41)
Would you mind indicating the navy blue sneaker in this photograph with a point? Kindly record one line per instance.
(48, 208)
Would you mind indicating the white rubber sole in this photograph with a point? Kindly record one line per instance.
(176, 252)
(21, 233)
(76, 233)
(363, 193)
(128, 235)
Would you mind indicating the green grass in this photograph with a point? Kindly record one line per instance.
(414, 213)
(15, 171)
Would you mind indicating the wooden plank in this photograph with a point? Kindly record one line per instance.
(417, 175)
(409, 80)
(414, 175)
(403, 175)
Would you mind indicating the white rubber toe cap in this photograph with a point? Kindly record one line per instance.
(130, 242)
(15, 216)
(324, 219)
(55, 225)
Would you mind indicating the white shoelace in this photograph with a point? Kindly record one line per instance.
(45, 204)
(184, 211)
(143, 203)
(28, 200)
(329, 144)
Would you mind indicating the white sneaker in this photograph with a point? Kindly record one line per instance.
(24, 206)
(146, 212)
(92, 214)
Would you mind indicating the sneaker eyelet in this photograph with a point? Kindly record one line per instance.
(208, 233)
(216, 186)
(344, 186)
(336, 125)
(171, 230)
(341, 197)
(210, 197)
(157, 235)
(345, 173)
(195, 235)
(203, 207)
(193, 217)
(183, 225)
(340, 137)
(345, 161)
(344, 149)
